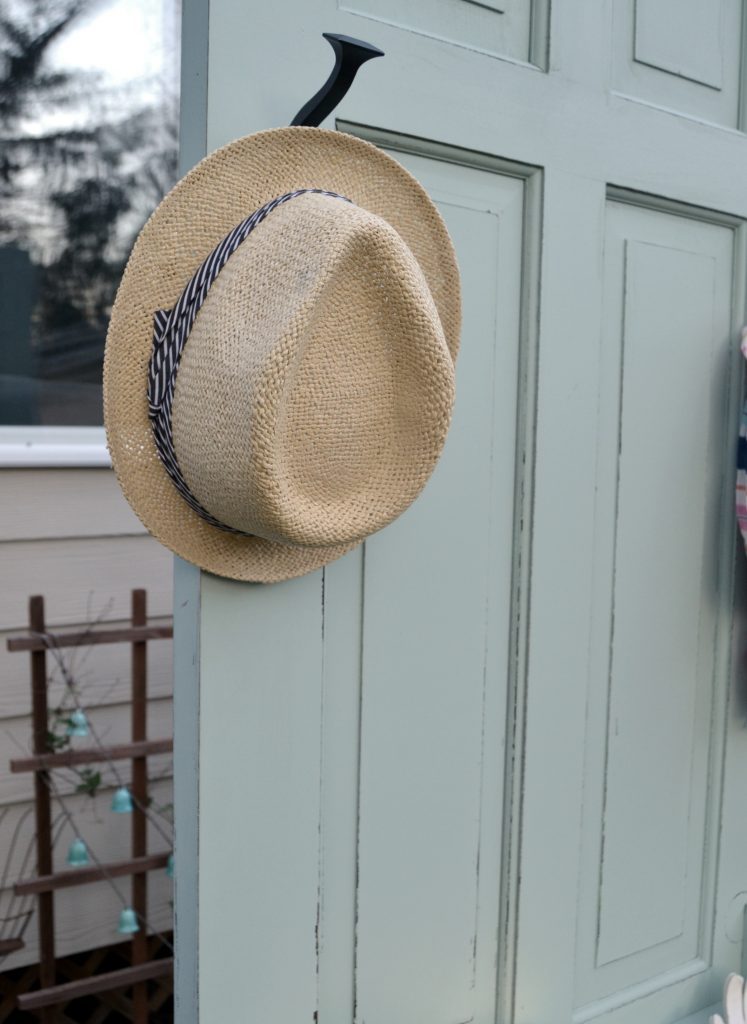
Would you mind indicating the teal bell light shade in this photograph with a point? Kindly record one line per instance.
(128, 922)
(77, 723)
(122, 801)
(170, 866)
(77, 855)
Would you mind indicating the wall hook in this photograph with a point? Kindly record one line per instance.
(349, 55)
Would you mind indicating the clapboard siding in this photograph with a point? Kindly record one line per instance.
(82, 579)
(69, 535)
(87, 503)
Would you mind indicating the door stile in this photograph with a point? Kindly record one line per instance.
(562, 525)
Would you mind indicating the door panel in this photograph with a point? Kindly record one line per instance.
(435, 672)
(652, 775)
(682, 55)
(505, 28)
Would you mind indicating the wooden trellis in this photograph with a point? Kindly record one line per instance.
(37, 641)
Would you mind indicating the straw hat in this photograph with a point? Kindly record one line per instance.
(279, 367)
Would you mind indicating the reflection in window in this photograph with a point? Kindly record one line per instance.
(88, 146)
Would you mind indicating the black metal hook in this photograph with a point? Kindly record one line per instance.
(349, 55)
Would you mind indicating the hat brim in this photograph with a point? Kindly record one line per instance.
(198, 212)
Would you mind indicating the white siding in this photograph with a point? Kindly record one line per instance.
(69, 535)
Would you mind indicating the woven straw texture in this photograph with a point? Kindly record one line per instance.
(314, 393)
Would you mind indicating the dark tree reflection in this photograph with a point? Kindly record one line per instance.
(83, 161)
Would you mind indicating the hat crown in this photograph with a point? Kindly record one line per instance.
(315, 391)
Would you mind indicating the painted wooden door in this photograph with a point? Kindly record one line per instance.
(488, 767)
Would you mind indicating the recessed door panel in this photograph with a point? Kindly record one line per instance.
(653, 781)
(503, 28)
(685, 55)
(436, 626)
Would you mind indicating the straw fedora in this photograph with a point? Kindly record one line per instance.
(279, 365)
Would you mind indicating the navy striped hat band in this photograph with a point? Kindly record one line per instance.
(171, 329)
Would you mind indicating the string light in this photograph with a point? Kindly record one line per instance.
(122, 801)
(77, 855)
(128, 922)
(55, 793)
(78, 723)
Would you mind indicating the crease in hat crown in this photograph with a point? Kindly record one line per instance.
(315, 389)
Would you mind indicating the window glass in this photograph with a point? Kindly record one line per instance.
(88, 146)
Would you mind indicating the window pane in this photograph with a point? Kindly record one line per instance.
(88, 146)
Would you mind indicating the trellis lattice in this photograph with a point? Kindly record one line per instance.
(51, 985)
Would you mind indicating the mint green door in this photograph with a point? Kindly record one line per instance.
(488, 768)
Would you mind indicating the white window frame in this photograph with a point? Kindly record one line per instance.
(39, 447)
(59, 447)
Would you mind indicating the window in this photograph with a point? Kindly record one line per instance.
(88, 146)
